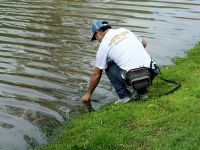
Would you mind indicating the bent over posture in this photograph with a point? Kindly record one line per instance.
(119, 52)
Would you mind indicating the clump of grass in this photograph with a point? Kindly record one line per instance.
(166, 122)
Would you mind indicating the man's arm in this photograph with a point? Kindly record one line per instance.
(144, 43)
(94, 80)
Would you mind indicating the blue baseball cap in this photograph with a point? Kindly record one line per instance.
(97, 25)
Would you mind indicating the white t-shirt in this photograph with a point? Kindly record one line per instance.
(124, 48)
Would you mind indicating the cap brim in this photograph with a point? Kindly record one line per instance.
(93, 37)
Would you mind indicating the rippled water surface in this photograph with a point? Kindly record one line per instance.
(46, 56)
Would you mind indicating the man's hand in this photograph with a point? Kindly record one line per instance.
(144, 43)
(86, 97)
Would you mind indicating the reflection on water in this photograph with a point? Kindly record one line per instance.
(47, 57)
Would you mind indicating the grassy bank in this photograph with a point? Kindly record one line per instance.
(167, 122)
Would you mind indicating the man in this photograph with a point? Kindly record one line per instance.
(120, 51)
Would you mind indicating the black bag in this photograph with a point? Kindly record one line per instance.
(138, 78)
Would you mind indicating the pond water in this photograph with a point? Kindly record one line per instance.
(46, 57)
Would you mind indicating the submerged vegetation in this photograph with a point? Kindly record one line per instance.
(166, 122)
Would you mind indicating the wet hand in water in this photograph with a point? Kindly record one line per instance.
(86, 97)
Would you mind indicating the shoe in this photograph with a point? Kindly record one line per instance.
(136, 96)
(144, 96)
(123, 100)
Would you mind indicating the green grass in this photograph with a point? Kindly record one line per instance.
(169, 122)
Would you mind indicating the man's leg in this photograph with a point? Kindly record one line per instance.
(114, 75)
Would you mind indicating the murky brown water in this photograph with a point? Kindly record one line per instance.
(46, 57)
